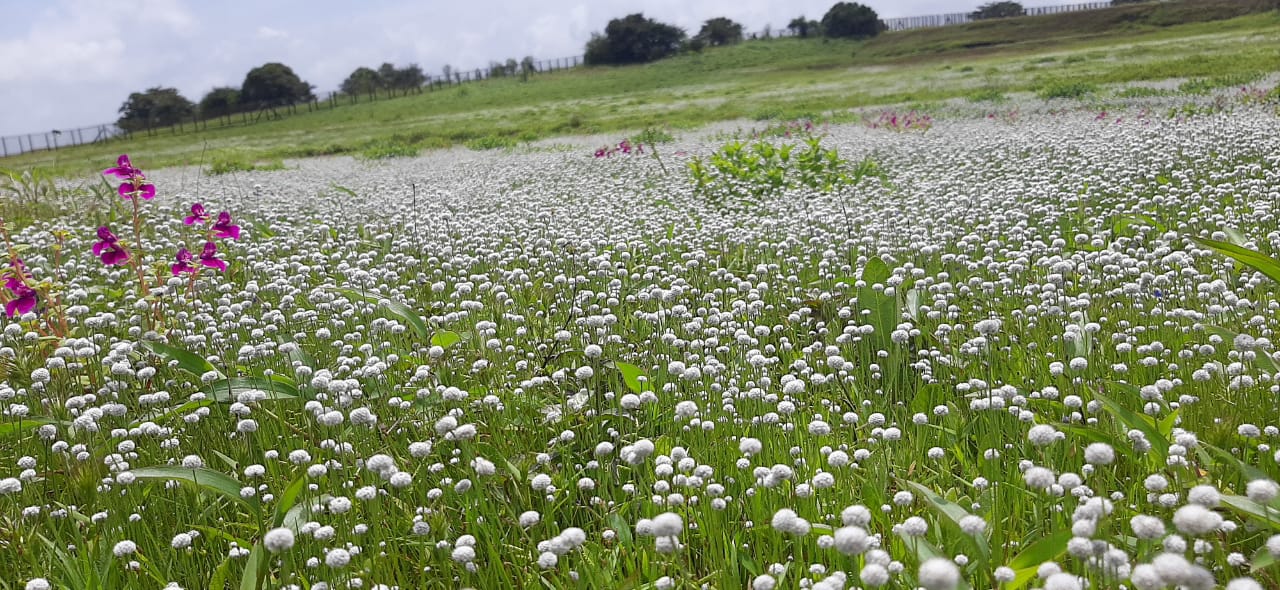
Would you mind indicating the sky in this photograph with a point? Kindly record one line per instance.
(72, 63)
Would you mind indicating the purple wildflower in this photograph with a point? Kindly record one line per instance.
(209, 257)
(108, 248)
(197, 215)
(137, 187)
(185, 258)
(24, 297)
(223, 228)
(123, 168)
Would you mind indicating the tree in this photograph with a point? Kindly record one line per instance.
(387, 77)
(527, 67)
(802, 27)
(156, 107)
(720, 31)
(850, 19)
(362, 81)
(220, 102)
(272, 85)
(448, 73)
(998, 10)
(633, 39)
(410, 77)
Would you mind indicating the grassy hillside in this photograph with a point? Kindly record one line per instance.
(756, 80)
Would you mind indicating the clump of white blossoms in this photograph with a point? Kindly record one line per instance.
(278, 539)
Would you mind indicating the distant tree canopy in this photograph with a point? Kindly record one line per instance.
(387, 77)
(272, 85)
(220, 102)
(850, 19)
(720, 31)
(999, 10)
(156, 107)
(633, 39)
(803, 27)
(361, 81)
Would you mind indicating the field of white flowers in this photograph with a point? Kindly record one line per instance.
(1007, 359)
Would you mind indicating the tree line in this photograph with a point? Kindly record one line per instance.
(627, 40)
(636, 39)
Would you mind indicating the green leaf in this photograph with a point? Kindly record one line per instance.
(1026, 563)
(288, 498)
(1134, 421)
(631, 375)
(1262, 559)
(187, 361)
(26, 424)
(277, 388)
(876, 271)
(206, 480)
(953, 514)
(926, 551)
(1261, 359)
(1247, 471)
(1047, 548)
(1253, 259)
(621, 527)
(445, 338)
(394, 308)
(249, 580)
(1259, 514)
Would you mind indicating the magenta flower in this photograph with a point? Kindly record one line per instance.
(223, 228)
(24, 298)
(209, 257)
(197, 215)
(137, 187)
(123, 168)
(185, 258)
(108, 248)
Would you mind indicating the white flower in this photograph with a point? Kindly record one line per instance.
(124, 548)
(852, 540)
(938, 574)
(1262, 491)
(337, 558)
(973, 525)
(1099, 454)
(38, 584)
(874, 575)
(547, 560)
(529, 518)
(278, 539)
(464, 554)
(787, 521)
(180, 541)
(667, 524)
(1196, 520)
(1147, 527)
(763, 582)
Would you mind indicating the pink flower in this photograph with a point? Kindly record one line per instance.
(197, 215)
(185, 259)
(209, 257)
(223, 228)
(137, 187)
(108, 248)
(123, 168)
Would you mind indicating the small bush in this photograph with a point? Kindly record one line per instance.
(386, 148)
(989, 94)
(1065, 89)
(228, 162)
(492, 142)
(740, 174)
(653, 136)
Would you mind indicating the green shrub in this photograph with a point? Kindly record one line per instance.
(740, 174)
(388, 148)
(228, 162)
(988, 94)
(653, 136)
(1055, 88)
(492, 142)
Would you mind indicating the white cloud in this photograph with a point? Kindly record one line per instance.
(268, 33)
